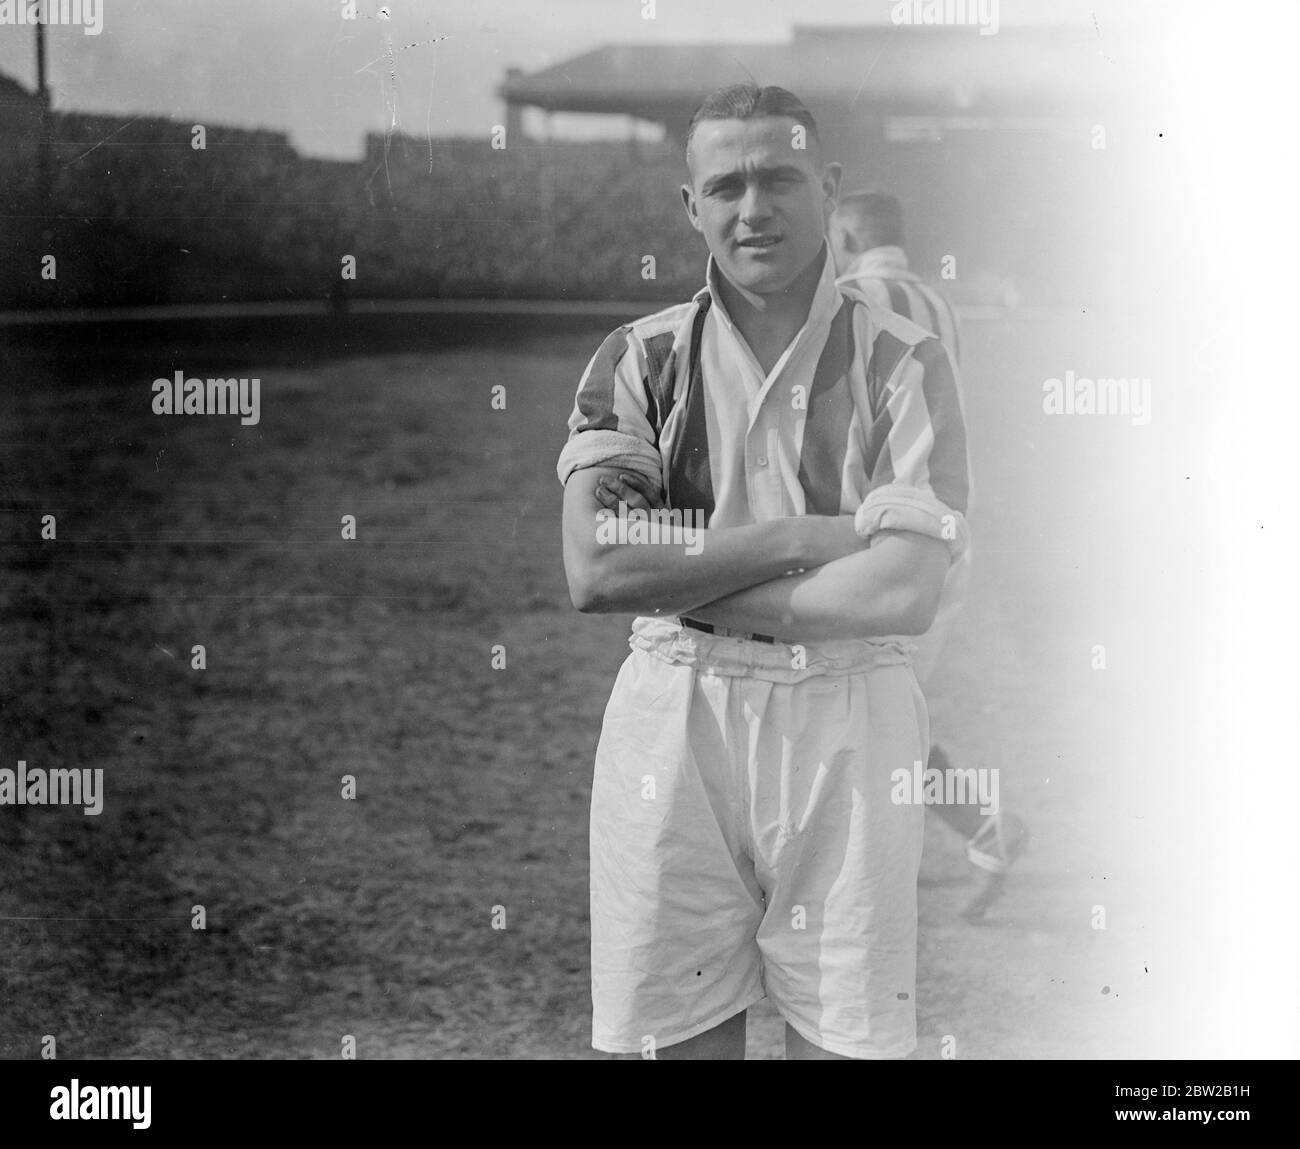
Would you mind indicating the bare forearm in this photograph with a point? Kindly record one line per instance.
(696, 566)
(891, 588)
(669, 578)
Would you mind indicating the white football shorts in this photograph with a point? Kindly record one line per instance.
(744, 841)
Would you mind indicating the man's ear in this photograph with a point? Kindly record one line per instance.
(831, 174)
(688, 202)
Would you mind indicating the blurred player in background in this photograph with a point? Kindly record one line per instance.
(866, 237)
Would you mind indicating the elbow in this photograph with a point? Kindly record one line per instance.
(587, 600)
(589, 592)
(581, 572)
(585, 596)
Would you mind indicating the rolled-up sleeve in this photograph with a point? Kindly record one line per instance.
(609, 425)
(921, 479)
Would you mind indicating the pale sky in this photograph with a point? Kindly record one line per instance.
(297, 66)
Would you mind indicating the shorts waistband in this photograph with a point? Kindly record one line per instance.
(732, 653)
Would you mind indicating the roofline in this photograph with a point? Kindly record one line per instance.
(545, 89)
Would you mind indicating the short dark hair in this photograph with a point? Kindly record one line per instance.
(875, 217)
(748, 102)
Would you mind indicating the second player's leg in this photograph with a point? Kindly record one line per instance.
(964, 817)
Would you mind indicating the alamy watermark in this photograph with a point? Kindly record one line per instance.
(77, 1102)
(24, 787)
(660, 525)
(181, 396)
(1079, 395)
(87, 13)
(982, 13)
(926, 786)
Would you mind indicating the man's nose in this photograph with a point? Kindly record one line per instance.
(755, 205)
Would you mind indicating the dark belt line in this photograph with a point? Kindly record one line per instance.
(709, 628)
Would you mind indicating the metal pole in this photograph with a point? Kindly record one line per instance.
(42, 89)
(43, 167)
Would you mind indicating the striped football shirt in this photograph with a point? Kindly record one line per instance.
(860, 415)
(882, 276)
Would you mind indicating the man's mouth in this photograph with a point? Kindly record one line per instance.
(759, 241)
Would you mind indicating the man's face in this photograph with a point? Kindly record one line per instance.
(760, 202)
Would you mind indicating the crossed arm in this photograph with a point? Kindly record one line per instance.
(805, 578)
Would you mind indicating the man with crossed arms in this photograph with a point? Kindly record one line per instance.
(743, 838)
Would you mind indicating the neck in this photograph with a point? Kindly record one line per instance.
(783, 311)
